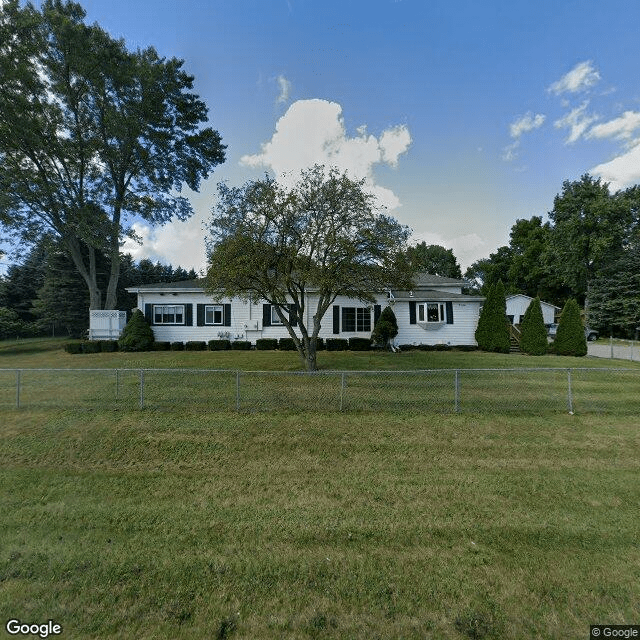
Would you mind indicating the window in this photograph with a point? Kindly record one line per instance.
(214, 314)
(274, 315)
(356, 319)
(431, 312)
(168, 314)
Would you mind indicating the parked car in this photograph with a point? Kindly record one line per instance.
(589, 334)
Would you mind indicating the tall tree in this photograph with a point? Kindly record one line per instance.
(533, 339)
(492, 333)
(434, 259)
(92, 134)
(321, 238)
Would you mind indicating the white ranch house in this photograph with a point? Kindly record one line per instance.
(435, 312)
(518, 304)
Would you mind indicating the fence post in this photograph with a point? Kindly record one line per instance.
(457, 391)
(632, 350)
(17, 388)
(142, 388)
(117, 384)
(570, 392)
(342, 391)
(611, 344)
(237, 390)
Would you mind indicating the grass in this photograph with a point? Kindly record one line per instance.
(379, 523)
(170, 524)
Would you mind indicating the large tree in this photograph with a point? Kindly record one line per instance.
(92, 135)
(315, 241)
(434, 259)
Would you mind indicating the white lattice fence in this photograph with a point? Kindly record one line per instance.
(106, 324)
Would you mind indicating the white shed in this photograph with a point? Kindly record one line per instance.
(518, 304)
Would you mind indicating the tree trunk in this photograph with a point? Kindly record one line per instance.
(114, 256)
(88, 274)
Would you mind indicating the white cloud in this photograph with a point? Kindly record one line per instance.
(577, 121)
(621, 128)
(285, 89)
(524, 124)
(313, 132)
(621, 172)
(581, 77)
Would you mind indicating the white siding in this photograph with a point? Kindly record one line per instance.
(517, 306)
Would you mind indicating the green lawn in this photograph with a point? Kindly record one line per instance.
(378, 523)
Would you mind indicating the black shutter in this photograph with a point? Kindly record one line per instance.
(336, 318)
(412, 312)
(266, 315)
(377, 310)
(148, 313)
(188, 315)
(200, 315)
(293, 315)
(449, 307)
(227, 315)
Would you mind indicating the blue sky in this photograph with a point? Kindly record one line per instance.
(463, 115)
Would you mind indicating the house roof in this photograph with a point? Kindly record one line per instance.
(522, 295)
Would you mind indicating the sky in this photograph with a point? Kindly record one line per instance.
(462, 116)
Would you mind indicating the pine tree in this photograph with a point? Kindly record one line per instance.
(137, 335)
(386, 328)
(570, 339)
(492, 333)
(534, 334)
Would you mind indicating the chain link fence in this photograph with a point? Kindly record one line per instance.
(603, 390)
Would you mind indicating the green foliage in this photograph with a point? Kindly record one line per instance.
(73, 347)
(137, 334)
(177, 346)
(108, 346)
(196, 345)
(570, 339)
(492, 332)
(336, 344)
(434, 259)
(386, 328)
(241, 345)
(219, 345)
(91, 346)
(268, 344)
(533, 339)
(161, 346)
(10, 324)
(323, 234)
(360, 344)
(284, 344)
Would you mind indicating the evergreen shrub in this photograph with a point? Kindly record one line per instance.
(285, 344)
(360, 344)
(161, 346)
(570, 339)
(73, 347)
(267, 344)
(108, 346)
(241, 345)
(533, 339)
(336, 344)
(177, 346)
(196, 345)
(492, 332)
(219, 345)
(91, 347)
(386, 328)
(137, 334)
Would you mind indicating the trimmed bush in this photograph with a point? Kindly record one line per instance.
(137, 335)
(73, 347)
(570, 339)
(177, 346)
(108, 346)
(386, 328)
(267, 344)
(285, 344)
(91, 347)
(241, 345)
(219, 345)
(533, 339)
(336, 344)
(161, 346)
(442, 347)
(492, 333)
(360, 344)
(196, 345)
(320, 345)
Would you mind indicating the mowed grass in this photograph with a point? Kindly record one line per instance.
(178, 524)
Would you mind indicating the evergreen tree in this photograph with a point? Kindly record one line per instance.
(534, 334)
(137, 335)
(386, 328)
(570, 339)
(492, 333)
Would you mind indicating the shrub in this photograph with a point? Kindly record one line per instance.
(533, 339)
(177, 346)
(570, 339)
(241, 345)
(91, 347)
(442, 347)
(320, 344)
(137, 335)
(360, 344)
(336, 344)
(386, 328)
(219, 345)
(196, 345)
(492, 333)
(73, 347)
(161, 346)
(108, 346)
(267, 344)
(285, 344)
